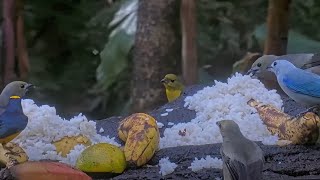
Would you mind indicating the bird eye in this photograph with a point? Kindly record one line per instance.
(172, 80)
(22, 86)
(259, 64)
(275, 63)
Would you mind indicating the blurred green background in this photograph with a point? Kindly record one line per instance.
(80, 50)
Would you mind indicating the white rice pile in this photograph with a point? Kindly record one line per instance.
(45, 126)
(224, 101)
(207, 162)
(221, 101)
(166, 167)
(160, 125)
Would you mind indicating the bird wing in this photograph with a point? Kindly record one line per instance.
(302, 82)
(10, 125)
(237, 169)
(314, 61)
(4, 129)
(254, 170)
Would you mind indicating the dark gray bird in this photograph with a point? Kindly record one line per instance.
(242, 158)
(15, 88)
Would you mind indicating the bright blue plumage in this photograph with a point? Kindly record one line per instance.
(12, 121)
(302, 82)
(300, 85)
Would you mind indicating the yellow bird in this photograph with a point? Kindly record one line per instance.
(173, 86)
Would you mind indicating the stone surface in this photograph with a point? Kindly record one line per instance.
(289, 162)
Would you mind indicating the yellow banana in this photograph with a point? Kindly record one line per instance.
(130, 121)
(302, 130)
(12, 153)
(127, 123)
(141, 134)
(66, 144)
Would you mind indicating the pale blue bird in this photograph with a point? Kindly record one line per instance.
(300, 85)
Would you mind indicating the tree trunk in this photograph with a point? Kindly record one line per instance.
(189, 42)
(155, 53)
(9, 39)
(277, 36)
(23, 59)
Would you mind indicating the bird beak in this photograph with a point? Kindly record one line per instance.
(30, 86)
(269, 68)
(252, 71)
(163, 80)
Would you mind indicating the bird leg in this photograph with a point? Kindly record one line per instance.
(313, 109)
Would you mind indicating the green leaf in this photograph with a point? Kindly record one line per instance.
(114, 58)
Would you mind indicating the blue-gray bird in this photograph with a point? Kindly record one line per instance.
(300, 85)
(309, 62)
(242, 158)
(15, 88)
(12, 120)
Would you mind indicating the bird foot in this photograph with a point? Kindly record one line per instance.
(313, 109)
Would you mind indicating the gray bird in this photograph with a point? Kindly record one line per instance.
(303, 61)
(309, 62)
(15, 88)
(242, 158)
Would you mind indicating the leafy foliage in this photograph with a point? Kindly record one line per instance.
(114, 56)
(304, 18)
(115, 60)
(77, 45)
(63, 37)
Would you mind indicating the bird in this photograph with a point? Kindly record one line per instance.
(17, 88)
(309, 62)
(242, 158)
(173, 86)
(12, 120)
(300, 85)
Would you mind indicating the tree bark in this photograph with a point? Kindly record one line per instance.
(155, 53)
(9, 39)
(277, 20)
(189, 42)
(23, 59)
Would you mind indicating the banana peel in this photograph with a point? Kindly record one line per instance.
(102, 158)
(141, 136)
(297, 130)
(11, 154)
(126, 125)
(66, 144)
